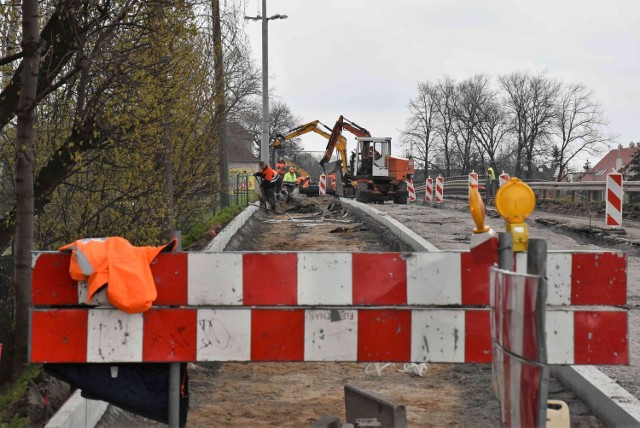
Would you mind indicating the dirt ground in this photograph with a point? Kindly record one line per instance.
(296, 394)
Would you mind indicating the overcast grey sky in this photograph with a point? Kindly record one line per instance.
(363, 58)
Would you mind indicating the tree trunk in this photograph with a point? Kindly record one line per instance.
(24, 180)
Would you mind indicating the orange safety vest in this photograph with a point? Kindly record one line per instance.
(269, 174)
(123, 268)
(333, 181)
(281, 167)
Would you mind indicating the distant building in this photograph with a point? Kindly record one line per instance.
(240, 157)
(617, 160)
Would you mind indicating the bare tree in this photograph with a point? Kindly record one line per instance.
(445, 120)
(418, 136)
(25, 158)
(473, 94)
(493, 128)
(530, 102)
(578, 126)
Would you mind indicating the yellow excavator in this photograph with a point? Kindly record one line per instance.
(340, 142)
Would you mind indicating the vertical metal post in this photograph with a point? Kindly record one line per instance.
(505, 251)
(537, 265)
(174, 395)
(264, 140)
(174, 376)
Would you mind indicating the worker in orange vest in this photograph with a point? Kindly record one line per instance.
(268, 182)
(281, 169)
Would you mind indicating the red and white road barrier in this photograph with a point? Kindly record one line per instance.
(412, 191)
(428, 193)
(322, 185)
(614, 200)
(220, 306)
(503, 178)
(339, 278)
(439, 189)
(304, 334)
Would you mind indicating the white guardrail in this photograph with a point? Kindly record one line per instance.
(461, 186)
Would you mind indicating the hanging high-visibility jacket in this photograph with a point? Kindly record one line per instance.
(123, 268)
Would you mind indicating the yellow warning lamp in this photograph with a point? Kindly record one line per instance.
(515, 201)
(476, 207)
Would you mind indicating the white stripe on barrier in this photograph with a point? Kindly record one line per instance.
(322, 187)
(333, 271)
(434, 277)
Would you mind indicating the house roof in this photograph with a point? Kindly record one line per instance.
(239, 144)
(608, 163)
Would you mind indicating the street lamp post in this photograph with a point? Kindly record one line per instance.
(264, 140)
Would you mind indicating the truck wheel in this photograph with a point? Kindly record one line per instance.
(402, 194)
(363, 194)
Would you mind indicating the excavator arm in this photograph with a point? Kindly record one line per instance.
(339, 143)
(300, 130)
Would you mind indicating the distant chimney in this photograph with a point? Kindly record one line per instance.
(619, 146)
(632, 145)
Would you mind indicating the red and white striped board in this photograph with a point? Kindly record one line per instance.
(614, 200)
(452, 335)
(503, 178)
(439, 189)
(428, 193)
(322, 185)
(340, 278)
(412, 191)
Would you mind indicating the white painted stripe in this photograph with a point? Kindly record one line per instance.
(521, 262)
(559, 278)
(559, 331)
(515, 314)
(514, 391)
(438, 336)
(113, 335)
(215, 279)
(224, 335)
(325, 279)
(99, 298)
(331, 335)
(434, 279)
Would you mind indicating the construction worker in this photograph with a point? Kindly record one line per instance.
(289, 182)
(491, 181)
(268, 182)
(281, 168)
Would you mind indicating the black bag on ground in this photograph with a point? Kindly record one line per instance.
(140, 388)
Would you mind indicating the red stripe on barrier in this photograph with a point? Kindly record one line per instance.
(612, 221)
(599, 279)
(384, 335)
(59, 336)
(529, 395)
(614, 200)
(530, 343)
(270, 279)
(277, 335)
(379, 279)
(477, 340)
(170, 274)
(601, 337)
(169, 335)
(475, 278)
(51, 282)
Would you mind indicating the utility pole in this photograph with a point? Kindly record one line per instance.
(264, 139)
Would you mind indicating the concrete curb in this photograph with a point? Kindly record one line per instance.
(417, 243)
(78, 412)
(219, 242)
(608, 400)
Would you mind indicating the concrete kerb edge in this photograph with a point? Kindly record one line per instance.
(608, 400)
(78, 412)
(417, 243)
(219, 242)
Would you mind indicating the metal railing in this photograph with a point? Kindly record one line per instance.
(240, 189)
